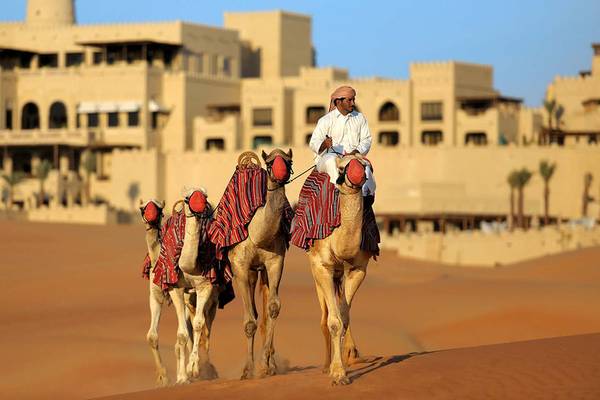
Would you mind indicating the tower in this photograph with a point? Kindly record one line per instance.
(50, 12)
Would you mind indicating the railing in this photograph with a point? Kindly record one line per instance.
(75, 137)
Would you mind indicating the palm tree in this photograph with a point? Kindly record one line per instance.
(41, 173)
(89, 165)
(12, 180)
(559, 111)
(549, 105)
(587, 183)
(513, 181)
(523, 177)
(546, 171)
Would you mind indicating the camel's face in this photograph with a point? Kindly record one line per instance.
(352, 169)
(152, 211)
(197, 203)
(279, 165)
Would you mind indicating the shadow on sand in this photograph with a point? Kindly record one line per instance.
(374, 363)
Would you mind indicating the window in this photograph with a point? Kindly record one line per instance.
(431, 111)
(168, 56)
(154, 120)
(389, 112)
(262, 117)
(25, 61)
(30, 116)
(93, 120)
(74, 59)
(48, 60)
(227, 66)
(476, 138)
(98, 58)
(431, 138)
(113, 119)
(391, 138)
(114, 54)
(199, 63)
(215, 144)
(134, 53)
(78, 121)
(313, 114)
(259, 141)
(133, 118)
(8, 117)
(58, 116)
(592, 139)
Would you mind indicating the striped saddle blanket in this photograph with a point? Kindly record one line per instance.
(166, 271)
(318, 214)
(244, 194)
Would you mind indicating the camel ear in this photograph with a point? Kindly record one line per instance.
(289, 153)
(141, 202)
(264, 155)
(162, 204)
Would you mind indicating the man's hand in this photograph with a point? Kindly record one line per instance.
(353, 152)
(327, 143)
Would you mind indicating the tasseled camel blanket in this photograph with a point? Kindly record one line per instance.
(244, 194)
(166, 271)
(318, 214)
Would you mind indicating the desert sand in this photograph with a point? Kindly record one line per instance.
(74, 317)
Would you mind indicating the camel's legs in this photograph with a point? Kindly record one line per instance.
(182, 334)
(324, 328)
(245, 282)
(324, 278)
(199, 356)
(352, 281)
(274, 270)
(156, 300)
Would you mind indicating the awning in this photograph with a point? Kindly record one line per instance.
(154, 106)
(86, 107)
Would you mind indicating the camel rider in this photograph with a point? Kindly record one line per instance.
(342, 131)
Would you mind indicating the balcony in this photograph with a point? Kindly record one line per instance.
(32, 137)
(101, 137)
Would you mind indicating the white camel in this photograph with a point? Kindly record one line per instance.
(190, 284)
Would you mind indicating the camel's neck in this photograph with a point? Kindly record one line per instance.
(267, 220)
(350, 229)
(152, 243)
(191, 240)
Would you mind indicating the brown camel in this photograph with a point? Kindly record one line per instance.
(339, 266)
(260, 258)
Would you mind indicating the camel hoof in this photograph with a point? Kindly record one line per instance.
(268, 371)
(342, 380)
(162, 380)
(247, 374)
(182, 381)
(208, 372)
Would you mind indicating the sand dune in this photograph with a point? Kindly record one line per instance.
(74, 317)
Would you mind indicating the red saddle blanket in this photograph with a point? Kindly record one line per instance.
(318, 214)
(166, 271)
(244, 194)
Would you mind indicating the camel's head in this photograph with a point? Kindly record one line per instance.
(279, 165)
(352, 169)
(196, 201)
(152, 212)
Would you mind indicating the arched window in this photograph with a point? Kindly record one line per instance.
(30, 116)
(313, 114)
(58, 116)
(389, 112)
(476, 138)
(390, 138)
(431, 138)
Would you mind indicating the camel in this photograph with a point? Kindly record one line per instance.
(339, 266)
(190, 285)
(260, 257)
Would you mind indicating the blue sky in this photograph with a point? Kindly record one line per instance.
(528, 42)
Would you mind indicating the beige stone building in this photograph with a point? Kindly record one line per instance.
(171, 104)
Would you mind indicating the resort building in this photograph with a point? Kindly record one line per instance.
(164, 105)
